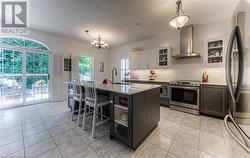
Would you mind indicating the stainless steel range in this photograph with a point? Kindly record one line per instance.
(185, 96)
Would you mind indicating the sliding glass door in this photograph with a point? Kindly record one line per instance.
(37, 76)
(24, 73)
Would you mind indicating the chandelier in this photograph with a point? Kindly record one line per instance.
(97, 43)
(180, 19)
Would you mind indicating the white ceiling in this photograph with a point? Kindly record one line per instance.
(115, 20)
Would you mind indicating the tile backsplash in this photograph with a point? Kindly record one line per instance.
(189, 72)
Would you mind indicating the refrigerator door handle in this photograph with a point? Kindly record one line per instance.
(235, 35)
(241, 63)
(228, 65)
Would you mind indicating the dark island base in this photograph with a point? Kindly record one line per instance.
(143, 110)
(143, 116)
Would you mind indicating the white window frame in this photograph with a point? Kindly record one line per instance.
(124, 68)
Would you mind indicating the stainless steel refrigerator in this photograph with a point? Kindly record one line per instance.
(237, 68)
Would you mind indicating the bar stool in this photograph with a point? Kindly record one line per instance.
(92, 100)
(78, 96)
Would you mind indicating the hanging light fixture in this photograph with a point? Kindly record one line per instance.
(97, 43)
(180, 19)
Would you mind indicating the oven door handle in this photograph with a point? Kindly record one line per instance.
(180, 87)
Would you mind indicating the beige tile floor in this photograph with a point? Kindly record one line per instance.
(46, 131)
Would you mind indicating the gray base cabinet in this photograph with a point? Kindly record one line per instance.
(143, 110)
(214, 100)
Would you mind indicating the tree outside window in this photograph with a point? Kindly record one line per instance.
(85, 68)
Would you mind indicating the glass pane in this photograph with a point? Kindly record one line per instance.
(37, 88)
(18, 55)
(29, 64)
(17, 90)
(34, 45)
(45, 57)
(127, 63)
(123, 64)
(10, 91)
(8, 61)
(37, 56)
(18, 64)
(85, 67)
(32, 91)
(1, 64)
(8, 71)
(17, 71)
(29, 56)
(45, 87)
(8, 64)
(8, 54)
(1, 53)
(20, 42)
(28, 43)
(30, 67)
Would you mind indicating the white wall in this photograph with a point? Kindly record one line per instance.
(168, 38)
(67, 47)
(184, 68)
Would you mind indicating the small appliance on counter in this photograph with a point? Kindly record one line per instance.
(205, 77)
(185, 96)
(105, 81)
(152, 75)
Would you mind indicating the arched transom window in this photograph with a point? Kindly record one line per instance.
(23, 42)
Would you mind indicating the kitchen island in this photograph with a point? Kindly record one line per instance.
(134, 110)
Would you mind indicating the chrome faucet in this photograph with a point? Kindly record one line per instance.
(114, 72)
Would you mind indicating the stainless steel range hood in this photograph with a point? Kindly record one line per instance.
(186, 43)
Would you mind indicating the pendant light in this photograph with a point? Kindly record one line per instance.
(180, 19)
(97, 43)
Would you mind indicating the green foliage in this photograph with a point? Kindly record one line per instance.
(30, 80)
(11, 63)
(21, 42)
(85, 65)
(37, 63)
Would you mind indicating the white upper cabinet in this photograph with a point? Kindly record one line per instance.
(164, 57)
(134, 60)
(144, 59)
(150, 59)
(215, 52)
(153, 58)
